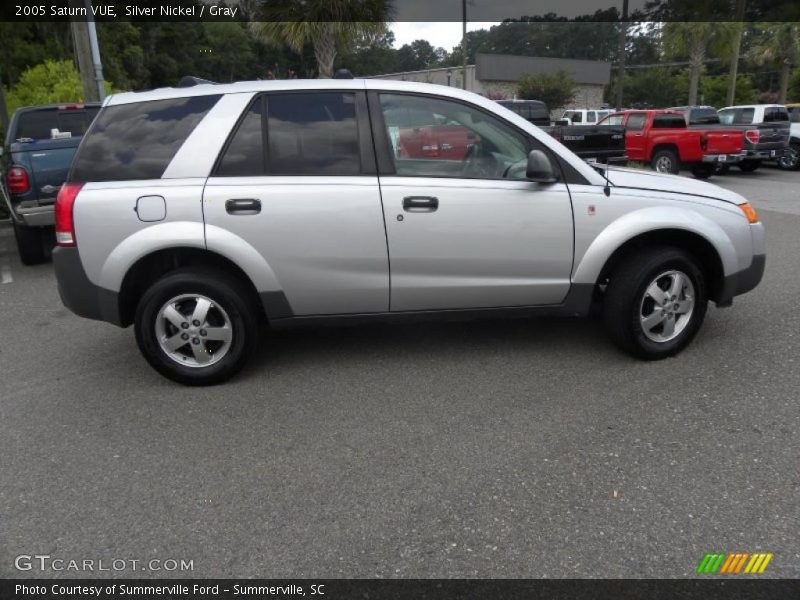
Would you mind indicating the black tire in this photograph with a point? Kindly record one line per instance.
(791, 160)
(666, 161)
(720, 169)
(702, 171)
(226, 293)
(626, 297)
(748, 166)
(30, 244)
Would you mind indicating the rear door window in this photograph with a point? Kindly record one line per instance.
(138, 140)
(313, 134)
(245, 152)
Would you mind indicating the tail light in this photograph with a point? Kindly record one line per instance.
(752, 135)
(704, 142)
(65, 225)
(17, 180)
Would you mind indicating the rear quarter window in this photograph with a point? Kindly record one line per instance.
(137, 140)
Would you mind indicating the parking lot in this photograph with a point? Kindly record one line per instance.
(479, 449)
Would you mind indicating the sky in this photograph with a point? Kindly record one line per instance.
(440, 34)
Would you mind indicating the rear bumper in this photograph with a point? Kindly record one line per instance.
(766, 154)
(79, 294)
(724, 158)
(36, 216)
(742, 281)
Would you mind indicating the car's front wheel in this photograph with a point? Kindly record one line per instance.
(197, 327)
(655, 302)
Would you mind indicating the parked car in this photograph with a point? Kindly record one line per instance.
(587, 141)
(533, 111)
(791, 158)
(197, 214)
(766, 130)
(38, 150)
(664, 140)
(586, 116)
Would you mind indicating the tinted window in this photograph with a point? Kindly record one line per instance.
(245, 152)
(575, 116)
(590, 117)
(38, 124)
(138, 140)
(456, 141)
(705, 116)
(612, 120)
(636, 121)
(669, 122)
(736, 116)
(313, 134)
(794, 114)
(775, 113)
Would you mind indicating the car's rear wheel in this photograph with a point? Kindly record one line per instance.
(666, 161)
(30, 243)
(748, 166)
(790, 161)
(197, 327)
(655, 302)
(702, 171)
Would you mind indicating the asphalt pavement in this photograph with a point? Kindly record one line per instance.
(479, 449)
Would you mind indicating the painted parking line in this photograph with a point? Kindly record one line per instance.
(5, 266)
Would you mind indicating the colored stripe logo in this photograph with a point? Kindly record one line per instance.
(734, 563)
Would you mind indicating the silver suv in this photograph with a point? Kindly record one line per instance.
(200, 214)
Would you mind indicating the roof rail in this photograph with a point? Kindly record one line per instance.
(190, 81)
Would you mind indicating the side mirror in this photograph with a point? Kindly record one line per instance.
(539, 168)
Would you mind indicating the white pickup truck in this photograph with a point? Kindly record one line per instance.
(585, 116)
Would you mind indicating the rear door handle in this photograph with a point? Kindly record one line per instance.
(243, 206)
(420, 203)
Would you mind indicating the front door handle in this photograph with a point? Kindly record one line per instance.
(420, 203)
(243, 206)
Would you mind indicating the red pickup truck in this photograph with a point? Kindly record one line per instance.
(661, 138)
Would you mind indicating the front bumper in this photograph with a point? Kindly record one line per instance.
(742, 281)
(79, 294)
(724, 158)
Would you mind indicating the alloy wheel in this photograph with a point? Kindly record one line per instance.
(667, 306)
(193, 330)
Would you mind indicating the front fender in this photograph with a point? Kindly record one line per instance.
(647, 220)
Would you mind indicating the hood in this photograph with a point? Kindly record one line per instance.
(650, 180)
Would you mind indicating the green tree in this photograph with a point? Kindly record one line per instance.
(554, 89)
(793, 94)
(47, 83)
(692, 41)
(329, 25)
(714, 91)
(778, 45)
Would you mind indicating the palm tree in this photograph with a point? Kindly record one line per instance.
(779, 45)
(692, 40)
(328, 25)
